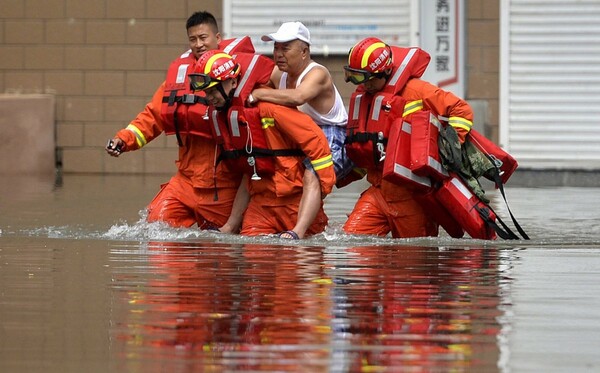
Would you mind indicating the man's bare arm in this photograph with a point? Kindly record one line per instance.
(314, 84)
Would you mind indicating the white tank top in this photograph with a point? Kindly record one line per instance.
(337, 116)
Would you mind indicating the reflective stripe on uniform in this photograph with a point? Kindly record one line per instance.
(394, 79)
(139, 136)
(412, 106)
(267, 122)
(460, 123)
(321, 163)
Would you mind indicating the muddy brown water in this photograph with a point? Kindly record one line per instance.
(87, 286)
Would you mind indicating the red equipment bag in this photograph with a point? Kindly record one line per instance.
(396, 165)
(468, 210)
(504, 161)
(424, 150)
(438, 213)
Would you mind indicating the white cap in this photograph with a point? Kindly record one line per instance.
(289, 31)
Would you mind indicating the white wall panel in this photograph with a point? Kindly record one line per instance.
(335, 25)
(550, 83)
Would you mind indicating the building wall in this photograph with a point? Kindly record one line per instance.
(483, 60)
(104, 59)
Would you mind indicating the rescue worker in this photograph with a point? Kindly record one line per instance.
(307, 85)
(289, 137)
(389, 88)
(196, 194)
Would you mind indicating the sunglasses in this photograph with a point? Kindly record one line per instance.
(356, 76)
(199, 82)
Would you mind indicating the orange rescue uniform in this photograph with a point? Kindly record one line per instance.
(387, 207)
(274, 200)
(198, 193)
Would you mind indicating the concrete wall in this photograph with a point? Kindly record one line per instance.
(103, 60)
(27, 126)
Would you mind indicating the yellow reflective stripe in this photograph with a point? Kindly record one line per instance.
(267, 122)
(212, 59)
(321, 163)
(365, 58)
(139, 136)
(412, 106)
(460, 123)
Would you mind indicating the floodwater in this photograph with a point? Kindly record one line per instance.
(87, 286)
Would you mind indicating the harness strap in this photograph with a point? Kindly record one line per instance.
(188, 99)
(172, 99)
(500, 186)
(259, 152)
(505, 233)
(362, 137)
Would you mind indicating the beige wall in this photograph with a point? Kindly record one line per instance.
(104, 59)
(27, 125)
(483, 58)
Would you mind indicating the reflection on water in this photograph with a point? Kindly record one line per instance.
(87, 286)
(276, 308)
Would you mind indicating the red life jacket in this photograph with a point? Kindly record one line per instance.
(396, 166)
(440, 213)
(470, 212)
(413, 161)
(182, 110)
(449, 202)
(239, 130)
(370, 116)
(424, 150)
(505, 163)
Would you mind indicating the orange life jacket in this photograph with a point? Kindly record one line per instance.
(473, 215)
(452, 204)
(424, 150)
(183, 111)
(370, 116)
(239, 130)
(413, 161)
(396, 166)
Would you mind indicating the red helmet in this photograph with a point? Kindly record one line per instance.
(212, 68)
(369, 58)
(370, 54)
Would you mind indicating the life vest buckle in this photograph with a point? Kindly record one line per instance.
(380, 146)
(188, 99)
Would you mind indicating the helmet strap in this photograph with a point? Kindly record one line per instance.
(388, 74)
(226, 97)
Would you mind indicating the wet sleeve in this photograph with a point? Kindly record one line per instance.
(146, 126)
(444, 103)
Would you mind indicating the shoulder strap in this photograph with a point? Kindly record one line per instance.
(305, 71)
(187, 98)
